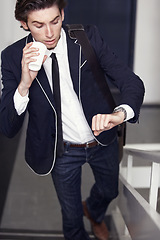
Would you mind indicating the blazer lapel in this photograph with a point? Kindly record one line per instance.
(42, 77)
(29, 38)
(73, 57)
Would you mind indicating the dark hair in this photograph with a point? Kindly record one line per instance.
(24, 7)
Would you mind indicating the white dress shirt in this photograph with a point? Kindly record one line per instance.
(74, 124)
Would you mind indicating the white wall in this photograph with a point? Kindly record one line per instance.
(147, 48)
(9, 27)
(10, 30)
(147, 45)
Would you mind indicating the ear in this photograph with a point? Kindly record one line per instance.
(62, 14)
(24, 25)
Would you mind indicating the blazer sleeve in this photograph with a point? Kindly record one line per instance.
(10, 121)
(129, 84)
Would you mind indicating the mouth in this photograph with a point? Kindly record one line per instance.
(50, 42)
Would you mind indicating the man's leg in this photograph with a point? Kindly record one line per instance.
(67, 180)
(105, 167)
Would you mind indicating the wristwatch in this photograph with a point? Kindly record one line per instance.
(121, 109)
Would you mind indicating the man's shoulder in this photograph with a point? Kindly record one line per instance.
(15, 47)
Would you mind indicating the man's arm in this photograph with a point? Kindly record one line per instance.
(12, 109)
(129, 84)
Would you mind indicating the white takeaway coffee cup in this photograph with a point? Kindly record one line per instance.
(36, 66)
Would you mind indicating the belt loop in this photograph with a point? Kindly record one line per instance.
(67, 146)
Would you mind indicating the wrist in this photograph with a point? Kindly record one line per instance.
(23, 90)
(122, 110)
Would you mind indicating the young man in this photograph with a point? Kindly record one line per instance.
(88, 123)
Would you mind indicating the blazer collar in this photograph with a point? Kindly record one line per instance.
(29, 38)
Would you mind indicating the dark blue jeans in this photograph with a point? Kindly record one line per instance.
(67, 180)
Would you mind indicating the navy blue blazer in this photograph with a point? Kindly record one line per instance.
(41, 131)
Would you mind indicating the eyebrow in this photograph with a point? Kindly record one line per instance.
(50, 21)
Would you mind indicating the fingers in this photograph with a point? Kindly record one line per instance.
(28, 76)
(45, 57)
(100, 123)
(29, 53)
(104, 122)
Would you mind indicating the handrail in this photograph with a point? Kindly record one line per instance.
(151, 153)
(139, 215)
(142, 221)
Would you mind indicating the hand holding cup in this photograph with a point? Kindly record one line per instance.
(36, 65)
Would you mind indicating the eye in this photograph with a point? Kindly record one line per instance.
(55, 21)
(39, 26)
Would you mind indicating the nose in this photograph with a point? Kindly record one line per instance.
(49, 32)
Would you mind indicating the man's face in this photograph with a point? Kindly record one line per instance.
(45, 25)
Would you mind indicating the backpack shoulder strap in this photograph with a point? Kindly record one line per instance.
(77, 31)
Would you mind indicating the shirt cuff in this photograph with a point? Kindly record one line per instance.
(129, 111)
(20, 103)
